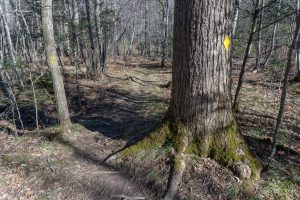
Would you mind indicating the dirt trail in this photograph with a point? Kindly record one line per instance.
(122, 100)
(110, 113)
(126, 97)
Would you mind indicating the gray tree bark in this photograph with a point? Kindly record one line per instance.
(55, 70)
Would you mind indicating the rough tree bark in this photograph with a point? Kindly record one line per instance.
(55, 70)
(200, 108)
(199, 120)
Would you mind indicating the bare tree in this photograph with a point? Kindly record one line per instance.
(165, 10)
(236, 17)
(289, 66)
(259, 33)
(246, 55)
(55, 70)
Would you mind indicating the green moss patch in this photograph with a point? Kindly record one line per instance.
(154, 140)
(254, 163)
(224, 147)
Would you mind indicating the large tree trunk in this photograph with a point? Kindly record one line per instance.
(200, 109)
(199, 120)
(55, 70)
(201, 68)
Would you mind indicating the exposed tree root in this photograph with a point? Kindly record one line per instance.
(226, 147)
(177, 172)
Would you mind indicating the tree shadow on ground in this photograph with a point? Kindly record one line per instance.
(28, 116)
(117, 113)
(109, 181)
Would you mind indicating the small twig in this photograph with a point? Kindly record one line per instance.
(50, 167)
(103, 172)
(128, 197)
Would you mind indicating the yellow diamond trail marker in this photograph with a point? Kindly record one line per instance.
(52, 59)
(227, 42)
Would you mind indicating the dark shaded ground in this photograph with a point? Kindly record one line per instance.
(121, 102)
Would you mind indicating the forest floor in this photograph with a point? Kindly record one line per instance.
(122, 108)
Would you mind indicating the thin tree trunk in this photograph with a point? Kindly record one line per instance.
(236, 17)
(3, 85)
(274, 37)
(55, 70)
(246, 56)
(11, 48)
(289, 66)
(273, 44)
(126, 52)
(146, 46)
(297, 78)
(31, 49)
(165, 11)
(35, 102)
(98, 33)
(258, 45)
(298, 65)
(92, 63)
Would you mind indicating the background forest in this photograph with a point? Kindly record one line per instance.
(72, 101)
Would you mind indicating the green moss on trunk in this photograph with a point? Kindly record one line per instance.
(225, 146)
(255, 165)
(154, 140)
(168, 134)
(229, 149)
